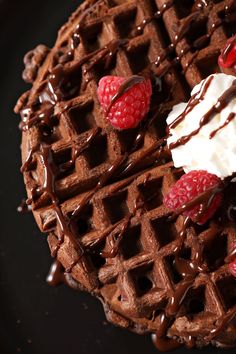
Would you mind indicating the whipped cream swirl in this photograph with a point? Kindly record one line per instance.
(202, 132)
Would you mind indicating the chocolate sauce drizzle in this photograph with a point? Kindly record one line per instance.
(52, 91)
(124, 87)
(45, 154)
(139, 29)
(189, 269)
(193, 102)
(60, 75)
(222, 102)
(231, 116)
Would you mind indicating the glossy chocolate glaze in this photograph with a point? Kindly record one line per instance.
(193, 102)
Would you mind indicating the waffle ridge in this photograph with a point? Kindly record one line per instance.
(104, 214)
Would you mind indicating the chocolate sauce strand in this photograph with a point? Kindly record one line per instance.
(48, 187)
(222, 102)
(28, 160)
(205, 198)
(194, 101)
(138, 29)
(114, 241)
(179, 295)
(165, 344)
(124, 87)
(160, 339)
(78, 150)
(184, 28)
(231, 116)
(228, 49)
(56, 274)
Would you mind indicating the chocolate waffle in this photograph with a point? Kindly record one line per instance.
(98, 191)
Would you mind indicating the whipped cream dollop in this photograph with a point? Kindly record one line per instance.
(202, 132)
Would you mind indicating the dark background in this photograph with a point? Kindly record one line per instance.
(35, 318)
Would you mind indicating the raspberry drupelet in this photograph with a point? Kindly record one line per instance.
(128, 109)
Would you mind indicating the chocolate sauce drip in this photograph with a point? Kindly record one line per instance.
(222, 102)
(204, 200)
(160, 340)
(179, 295)
(48, 187)
(224, 321)
(57, 275)
(124, 87)
(228, 49)
(228, 120)
(79, 149)
(114, 239)
(26, 165)
(182, 234)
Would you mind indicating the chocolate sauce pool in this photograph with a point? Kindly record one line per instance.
(52, 91)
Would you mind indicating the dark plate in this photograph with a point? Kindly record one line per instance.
(35, 318)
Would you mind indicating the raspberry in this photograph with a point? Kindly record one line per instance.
(189, 187)
(231, 56)
(128, 110)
